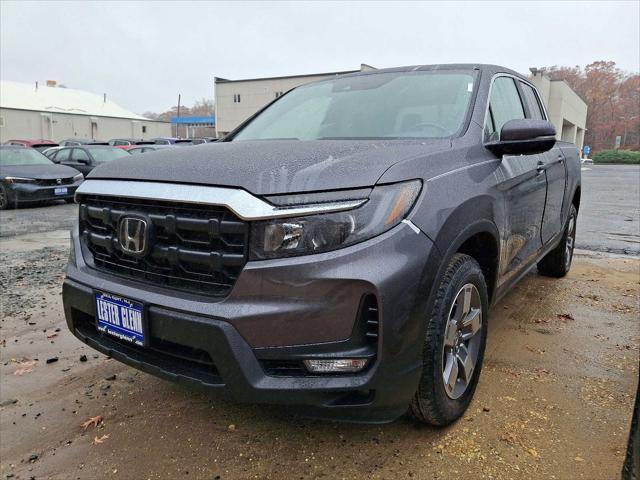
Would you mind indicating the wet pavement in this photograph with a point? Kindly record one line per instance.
(554, 399)
(609, 219)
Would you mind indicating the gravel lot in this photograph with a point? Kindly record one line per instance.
(554, 400)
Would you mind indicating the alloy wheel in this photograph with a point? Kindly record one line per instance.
(569, 243)
(462, 339)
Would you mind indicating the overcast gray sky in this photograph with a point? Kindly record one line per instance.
(142, 54)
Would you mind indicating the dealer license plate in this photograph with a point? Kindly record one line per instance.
(120, 317)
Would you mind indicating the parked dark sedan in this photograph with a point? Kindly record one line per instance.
(28, 176)
(86, 157)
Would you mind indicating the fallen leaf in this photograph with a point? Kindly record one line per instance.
(231, 428)
(565, 316)
(52, 335)
(511, 399)
(97, 440)
(24, 367)
(22, 371)
(579, 459)
(533, 453)
(95, 421)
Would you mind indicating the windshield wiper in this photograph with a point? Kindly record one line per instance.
(359, 138)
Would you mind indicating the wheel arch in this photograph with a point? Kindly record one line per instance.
(471, 229)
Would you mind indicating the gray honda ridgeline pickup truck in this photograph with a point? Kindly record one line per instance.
(339, 251)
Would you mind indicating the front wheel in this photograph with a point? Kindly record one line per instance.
(558, 261)
(5, 203)
(454, 344)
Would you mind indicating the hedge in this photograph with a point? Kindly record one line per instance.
(617, 156)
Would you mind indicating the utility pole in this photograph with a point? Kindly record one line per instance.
(178, 124)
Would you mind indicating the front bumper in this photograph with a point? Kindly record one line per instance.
(282, 310)
(27, 192)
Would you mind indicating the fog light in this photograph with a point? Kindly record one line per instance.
(342, 365)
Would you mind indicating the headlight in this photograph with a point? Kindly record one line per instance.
(19, 180)
(78, 177)
(386, 207)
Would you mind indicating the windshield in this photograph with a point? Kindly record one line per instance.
(22, 156)
(107, 154)
(385, 105)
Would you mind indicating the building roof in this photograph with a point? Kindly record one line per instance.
(225, 80)
(24, 96)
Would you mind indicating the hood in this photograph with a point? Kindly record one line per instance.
(39, 172)
(272, 166)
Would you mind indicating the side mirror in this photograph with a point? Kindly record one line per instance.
(525, 136)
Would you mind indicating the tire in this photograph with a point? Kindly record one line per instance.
(448, 342)
(5, 203)
(557, 262)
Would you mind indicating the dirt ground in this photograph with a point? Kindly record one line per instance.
(554, 399)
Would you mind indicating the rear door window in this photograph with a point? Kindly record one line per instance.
(80, 156)
(504, 105)
(533, 104)
(63, 155)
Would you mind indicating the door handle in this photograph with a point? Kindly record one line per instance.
(541, 167)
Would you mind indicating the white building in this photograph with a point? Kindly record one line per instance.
(31, 111)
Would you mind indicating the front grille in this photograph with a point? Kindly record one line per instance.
(47, 182)
(194, 248)
(171, 357)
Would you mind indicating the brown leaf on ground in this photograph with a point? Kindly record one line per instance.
(95, 421)
(565, 316)
(52, 335)
(25, 367)
(97, 440)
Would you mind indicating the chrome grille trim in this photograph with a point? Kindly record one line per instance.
(242, 203)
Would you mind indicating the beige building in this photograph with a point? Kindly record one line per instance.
(566, 110)
(237, 100)
(31, 111)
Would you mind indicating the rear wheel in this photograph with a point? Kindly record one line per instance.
(558, 261)
(454, 344)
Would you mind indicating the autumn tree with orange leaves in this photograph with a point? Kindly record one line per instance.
(613, 100)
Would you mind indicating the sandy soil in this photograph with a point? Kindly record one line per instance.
(554, 399)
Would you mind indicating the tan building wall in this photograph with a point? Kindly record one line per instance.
(566, 110)
(237, 100)
(30, 124)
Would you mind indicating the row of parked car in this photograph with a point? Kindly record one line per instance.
(123, 143)
(42, 170)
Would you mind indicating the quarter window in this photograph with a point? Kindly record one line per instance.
(533, 104)
(504, 105)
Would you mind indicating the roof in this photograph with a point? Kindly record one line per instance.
(368, 70)
(224, 80)
(24, 96)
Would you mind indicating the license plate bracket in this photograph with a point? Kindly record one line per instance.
(121, 318)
